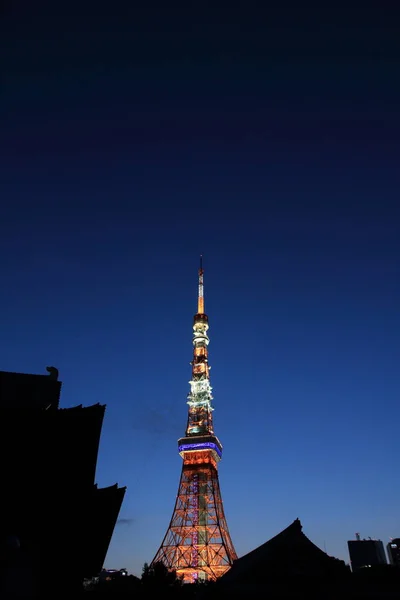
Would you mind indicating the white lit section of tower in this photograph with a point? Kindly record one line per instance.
(200, 396)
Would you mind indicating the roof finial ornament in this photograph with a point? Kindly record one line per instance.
(298, 524)
(53, 373)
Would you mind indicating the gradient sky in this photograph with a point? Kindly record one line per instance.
(268, 141)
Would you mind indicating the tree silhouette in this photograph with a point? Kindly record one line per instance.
(157, 575)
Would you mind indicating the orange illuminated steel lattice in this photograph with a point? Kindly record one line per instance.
(199, 458)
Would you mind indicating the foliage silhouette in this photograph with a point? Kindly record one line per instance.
(157, 575)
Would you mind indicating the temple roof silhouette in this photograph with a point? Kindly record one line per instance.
(51, 503)
(30, 391)
(289, 553)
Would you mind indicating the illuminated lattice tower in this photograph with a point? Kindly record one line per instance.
(197, 544)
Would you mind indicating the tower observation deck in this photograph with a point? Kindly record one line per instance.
(197, 544)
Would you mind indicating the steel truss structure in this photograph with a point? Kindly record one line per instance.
(197, 544)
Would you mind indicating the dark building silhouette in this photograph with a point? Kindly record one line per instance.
(366, 553)
(53, 514)
(393, 551)
(288, 556)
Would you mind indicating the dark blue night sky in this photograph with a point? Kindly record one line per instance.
(269, 141)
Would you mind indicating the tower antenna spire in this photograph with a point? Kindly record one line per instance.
(200, 300)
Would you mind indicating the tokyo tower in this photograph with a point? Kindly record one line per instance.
(197, 544)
